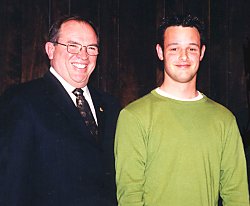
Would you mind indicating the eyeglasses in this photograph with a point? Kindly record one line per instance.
(73, 48)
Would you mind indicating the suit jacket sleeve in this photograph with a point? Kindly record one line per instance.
(15, 146)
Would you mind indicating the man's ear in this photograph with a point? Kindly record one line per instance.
(159, 51)
(50, 48)
(203, 48)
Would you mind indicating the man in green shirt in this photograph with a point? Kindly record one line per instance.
(175, 146)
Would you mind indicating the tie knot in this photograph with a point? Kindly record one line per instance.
(78, 92)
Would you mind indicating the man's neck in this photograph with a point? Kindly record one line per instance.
(184, 91)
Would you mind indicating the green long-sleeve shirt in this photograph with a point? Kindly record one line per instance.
(179, 153)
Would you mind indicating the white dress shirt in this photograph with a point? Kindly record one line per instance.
(69, 88)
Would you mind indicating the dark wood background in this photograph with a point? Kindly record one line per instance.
(127, 66)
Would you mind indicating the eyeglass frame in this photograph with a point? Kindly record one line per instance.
(80, 48)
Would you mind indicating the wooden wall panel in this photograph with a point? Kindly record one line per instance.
(237, 98)
(89, 9)
(34, 27)
(160, 14)
(246, 56)
(136, 40)
(173, 6)
(57, 9)
(10, 40)
(228, 83)
(109, 58)
(219, 51)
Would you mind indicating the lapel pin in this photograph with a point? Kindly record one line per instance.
(101, 109)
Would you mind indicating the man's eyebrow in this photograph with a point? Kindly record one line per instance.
(174, 44)
(170, 44)
(195, 44)
(74, 42)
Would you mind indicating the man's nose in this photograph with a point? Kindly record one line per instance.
(83, 53)
(183, 54)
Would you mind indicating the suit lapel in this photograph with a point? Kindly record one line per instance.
(100, 111)
(64, 103)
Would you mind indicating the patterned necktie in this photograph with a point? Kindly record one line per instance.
(85, 112)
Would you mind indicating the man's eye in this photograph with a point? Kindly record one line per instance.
(94, 48)
(173, 49)
(192, 49)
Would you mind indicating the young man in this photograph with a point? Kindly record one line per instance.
(50, 155)
(175, 146)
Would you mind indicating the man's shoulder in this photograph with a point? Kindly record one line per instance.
(218, 109)
(217, 105)
(104, 98)
(142, 106)
(100, 93)
(15, 96)
(25, 88)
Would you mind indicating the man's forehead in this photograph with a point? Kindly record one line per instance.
(75, 28)
(178, 34)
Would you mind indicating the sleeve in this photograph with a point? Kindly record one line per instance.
(130, 159)
(15, 159)
(233, 178)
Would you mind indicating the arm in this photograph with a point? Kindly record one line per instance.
(130, 157)
(233, 180)
(15, 158)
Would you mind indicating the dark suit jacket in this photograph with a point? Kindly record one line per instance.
(47, 155)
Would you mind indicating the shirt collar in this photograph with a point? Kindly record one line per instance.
(69, 88)
(165, 94)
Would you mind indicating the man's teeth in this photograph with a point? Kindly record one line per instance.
(79, 66)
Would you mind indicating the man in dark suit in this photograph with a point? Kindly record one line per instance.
(48, 156)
